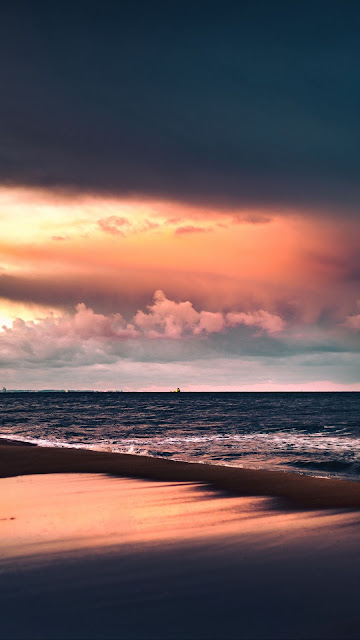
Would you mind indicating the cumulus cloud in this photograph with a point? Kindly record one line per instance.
(176, 319)
(79, 338)
(166, 317)
(86, 324)
(86, 337)
(266, 321)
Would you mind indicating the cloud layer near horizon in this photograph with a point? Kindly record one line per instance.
(55, 339)
(171, 333)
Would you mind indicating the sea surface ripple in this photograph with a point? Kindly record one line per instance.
(313, 433)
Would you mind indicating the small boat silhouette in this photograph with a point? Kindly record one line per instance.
(176, 390)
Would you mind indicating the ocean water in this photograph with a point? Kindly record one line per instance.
(313, 433)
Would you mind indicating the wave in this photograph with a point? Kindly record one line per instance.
(310, 454)
(260, 441)
(332, 466)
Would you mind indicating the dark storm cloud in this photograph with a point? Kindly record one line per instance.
(60, 292)
(251, 103)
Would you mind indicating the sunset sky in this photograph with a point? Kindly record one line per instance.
(179, 195)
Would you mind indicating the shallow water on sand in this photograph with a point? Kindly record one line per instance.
(90, 556)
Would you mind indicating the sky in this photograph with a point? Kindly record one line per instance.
(179, 195)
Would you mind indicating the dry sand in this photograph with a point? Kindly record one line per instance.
(88, 555)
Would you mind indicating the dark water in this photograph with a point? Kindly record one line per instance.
(315, 433)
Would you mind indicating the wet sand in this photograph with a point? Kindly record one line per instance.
(88, 554)
(296, 490)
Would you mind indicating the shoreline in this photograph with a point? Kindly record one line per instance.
(294, 489)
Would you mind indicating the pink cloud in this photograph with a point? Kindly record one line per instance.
(86, 337)
(85, 324)
(268, 322)
(82, 338)
(176, 319)
(59, 238)
(149, 225)
(209, 322)
(353, 322)
(113, 224)
(174, 220)
(191, 229)
(167, 317)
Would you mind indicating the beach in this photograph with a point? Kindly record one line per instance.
(179, 320)
(98, 545)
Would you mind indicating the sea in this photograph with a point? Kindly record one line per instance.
(309, 433)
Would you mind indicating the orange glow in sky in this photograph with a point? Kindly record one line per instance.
(267, 269)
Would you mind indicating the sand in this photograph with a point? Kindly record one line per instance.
(89, 554)
(294, 489)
